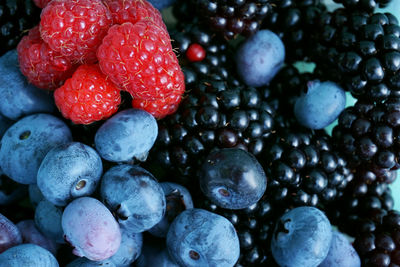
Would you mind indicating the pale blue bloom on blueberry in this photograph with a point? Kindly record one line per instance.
(27, 255)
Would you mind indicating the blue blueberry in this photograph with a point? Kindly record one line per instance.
(83, 262)
(129, 250)
(320, 105)
(135, 197)
(161, 4)
(10, 234)
(200, 238)
(27, 255)
(30, 234)
(155, 255)
(48, 220)
(341, 253)
(128, 135)
(26, 143)
(232, 178)
(35, 196)
(11, 191)
(302, 237)
(259, 58)
(91, 229)
(178, 199)
(19, 98)
(69, 171)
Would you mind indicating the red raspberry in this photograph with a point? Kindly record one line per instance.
(159, 108)
(133, 11)
(139, 59)
(75, 28)
(87, 96)
(42, 66)
(41, 3)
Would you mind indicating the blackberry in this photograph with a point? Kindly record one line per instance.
(303, 169)
(16, 17)
(359, 50)
(214, 115)
(367, 5)
(380, 245)
(293, 22)
(367, 134)
(233, 17)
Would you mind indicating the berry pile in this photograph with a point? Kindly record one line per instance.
(204, 135)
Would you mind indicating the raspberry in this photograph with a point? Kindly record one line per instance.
(41, 3)
(133, 11)
(138, 58)
(87, 96)
(42, 66)
(75, 28)
(159, 108)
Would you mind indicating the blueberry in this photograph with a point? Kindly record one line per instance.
(27, 255)
(30, 234)
(200, 238)
(5, 123)
(18, 98)
(161, 4)
(232, 178)
(320, 105)
(134, 195)
(91, 229)
(341, 253)
(259, 58)
(301, 237)
(129, 250)
(10, 234)
(26, 143)
(48, 220)
(69, 171)
(11, 191)
(178, 199)
(35, 195)
(83, 262)
(155, 255)
(128, 135)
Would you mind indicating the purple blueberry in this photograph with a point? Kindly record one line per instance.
(30, 234)
(341, 253)
(69, 171)
(134, 195)
(155, 255)
(18, 97)
(129, 250)
(200, 238)
(48, 221)
(301, 237)
(35, 195)
(26, 143)
(259, 58)
(27, 255)
(178, 199)
(320, 105)
(91, 229)
(10, 235)
(232, 178)
(83, 262)
(128, 135)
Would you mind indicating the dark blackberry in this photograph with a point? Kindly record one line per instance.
(16, 17)
(303, 169)
(380, 246)
(233, 17)
(367, 5)
(293, 22)
(367, 134)
(213, 115)
(359, 51)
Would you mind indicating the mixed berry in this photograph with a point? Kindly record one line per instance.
(213, 133)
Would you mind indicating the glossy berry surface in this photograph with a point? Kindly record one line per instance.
(80, 222)
(200, 238)
(29, 255)
(195, 52)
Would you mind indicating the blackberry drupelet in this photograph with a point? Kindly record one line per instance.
(303, 169)
(359, 51)
(233, 17)
(215, 114)
(367, 5)
(16, 17)
(367, 134)
(293, 22)
(380, 245)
